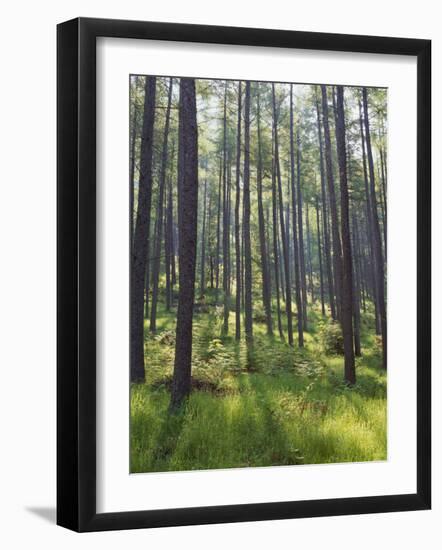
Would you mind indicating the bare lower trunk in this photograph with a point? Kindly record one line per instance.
(187, 223)
(246, 228)
(347, 275)
(141, 236)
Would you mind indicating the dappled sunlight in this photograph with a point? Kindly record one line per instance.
(293, 408)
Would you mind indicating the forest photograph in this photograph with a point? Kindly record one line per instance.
(258, 273)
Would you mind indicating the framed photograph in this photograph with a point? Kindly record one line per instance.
(243, 226)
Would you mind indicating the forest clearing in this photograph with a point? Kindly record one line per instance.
(258, 274)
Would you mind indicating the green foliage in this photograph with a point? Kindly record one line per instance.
(292, 407)
(331, 338)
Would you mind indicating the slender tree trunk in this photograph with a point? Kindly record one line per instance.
(356, 293)
(321, 275)
(301, 231)
(187, 223)
(141, 236)
(360, 265)
(266, 286)
(226, 224)
(229, 227)
(327, 244)
(203, 246)
(347, 279)
(288, 290)
(369, 217)
(159, 235)
(294, 228)
(218, 233)
(337, 253)
(133, 141)
(237, 219)
(309, 254)
(246, 226)
(379, 261)
(173, 245)
(168, 245)
(275, 245)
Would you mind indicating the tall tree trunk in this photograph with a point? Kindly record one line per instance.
(327, 244)
(159, 235)
(347, 266)
(187, 223)
(203, 246)
(218, 232)
(309, 254)
(359, 264)
(133, 141)
(168, 245)
(246, 226)
(379, 261)
(301, 231)
(141, 236)
(237, 219)
(266, 286)
(369, 217)
(356, 292)
(174, 247)
(294, 227)
(288, 289)
(226, 224)
(275, 245)
(321, 275)
(337, 252)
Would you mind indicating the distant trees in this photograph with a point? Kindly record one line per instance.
(290, 222)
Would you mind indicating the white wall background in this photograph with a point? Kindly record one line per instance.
(27, 273)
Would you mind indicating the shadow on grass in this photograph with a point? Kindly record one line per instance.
(169, 434)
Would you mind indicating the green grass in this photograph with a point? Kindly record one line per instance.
(291, 407)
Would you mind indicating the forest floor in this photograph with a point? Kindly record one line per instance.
(291, 407)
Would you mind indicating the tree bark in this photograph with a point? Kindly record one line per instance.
(203, 245)
(379, 261)
(133, 141)
(218, 233)
(226, 224)
(141, 236)
(301, 231)
(246, 228)
(187, 223)
(288, 290)
(168, 245)
(309, 254)
(337, 251)
(347, 275)
(266, 286)
(356, 292)
(327, 244)
(159, 232)
(369, 217)
(237, 219)
(321, 275)
(294, 227)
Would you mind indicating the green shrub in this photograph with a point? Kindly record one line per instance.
(259, 315)
(166, 337)
(332, 339)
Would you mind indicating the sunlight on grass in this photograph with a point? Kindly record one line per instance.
(291, 408)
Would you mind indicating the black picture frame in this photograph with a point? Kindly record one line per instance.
(76, 274)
